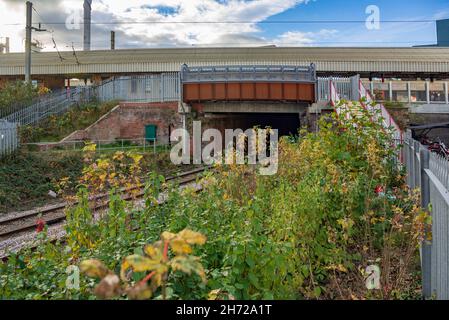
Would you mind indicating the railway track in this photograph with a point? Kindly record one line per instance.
(21, 223)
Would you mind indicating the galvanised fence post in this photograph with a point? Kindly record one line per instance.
(417, 163)
(426, 246)
(409, 154)
(412, 165)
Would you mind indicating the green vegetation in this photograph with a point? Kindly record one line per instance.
(55, 128)
(337, 205)
(13, 93)
(156, 262)
(394, 104)
(27, 177)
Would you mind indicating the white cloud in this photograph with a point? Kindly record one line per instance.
(299, 38)
(157, 34)
(9, 16)
(193, 11)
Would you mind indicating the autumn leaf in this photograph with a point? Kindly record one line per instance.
(168, 236)
(94, 268)
(138, 264)
(136, 157)
(90, 147)
(188, 264)
(192, 237)
(214, 294)
(180, 246)
(156, 280)
(153, 252)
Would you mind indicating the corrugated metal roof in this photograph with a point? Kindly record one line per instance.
(425, 60)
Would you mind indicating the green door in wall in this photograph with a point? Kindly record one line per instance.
(151, 132)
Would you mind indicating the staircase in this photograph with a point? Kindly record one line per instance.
(378, 110)
(368, 103)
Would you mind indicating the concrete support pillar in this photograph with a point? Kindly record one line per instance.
(427, 92)
(371, 88)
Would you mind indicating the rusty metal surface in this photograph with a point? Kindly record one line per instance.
(259, 91)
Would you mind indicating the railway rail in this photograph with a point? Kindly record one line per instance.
(22, 225)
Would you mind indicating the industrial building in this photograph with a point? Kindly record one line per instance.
(410, 63)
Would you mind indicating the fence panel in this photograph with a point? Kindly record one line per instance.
(54, 104)
(18, 106)
(148, 88)
(346, 87)
(429, 172)
(9, 140)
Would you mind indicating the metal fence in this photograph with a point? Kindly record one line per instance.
(248, 73)
(430, 173)
(165, 87)
(148, 88)
(421, 92)
(9, 140)
(144, 145)
(54, 104)
(347, 88)
(6, 110)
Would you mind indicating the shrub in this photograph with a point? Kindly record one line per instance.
(13, 93)
(337, 205)
(26, 178)
(55, 128)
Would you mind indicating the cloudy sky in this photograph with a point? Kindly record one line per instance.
(187, 23)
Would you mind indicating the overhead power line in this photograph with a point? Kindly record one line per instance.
(243, 22)
(56, 47)
(34, 9)
(74, 54)
(266, 43)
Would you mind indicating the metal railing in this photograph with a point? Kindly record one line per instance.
(144, 145)
(429, 172)
(346, 87)
(148, 88)
(53, 105)
(6, 110)
(380, 110)
(9, 140)
(421, 92)
(333, 90)
(248, 74)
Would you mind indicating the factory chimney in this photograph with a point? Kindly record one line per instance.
(87, 23)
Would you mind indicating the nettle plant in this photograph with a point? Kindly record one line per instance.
(156, 263)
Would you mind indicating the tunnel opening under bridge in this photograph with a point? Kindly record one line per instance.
(287, 124)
